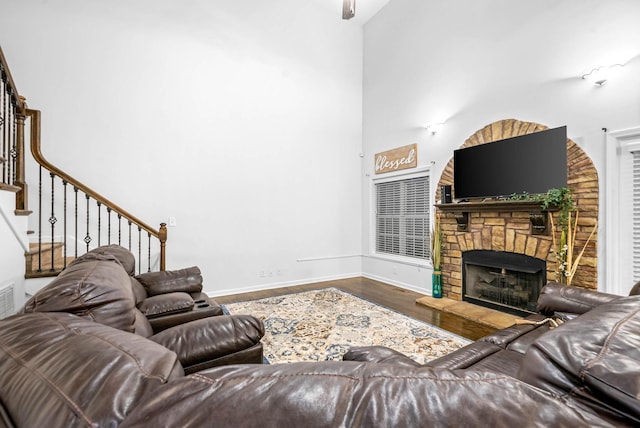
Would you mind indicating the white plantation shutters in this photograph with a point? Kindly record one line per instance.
(402, 217)
(636, 215)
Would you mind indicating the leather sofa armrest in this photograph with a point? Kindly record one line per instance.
(188, 280)
(210, 338)
(166, 304)
(203, 307)
(379, 354)
(556, 297)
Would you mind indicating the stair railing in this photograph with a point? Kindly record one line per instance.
(12, 108)
(83, 218)
(73, 226)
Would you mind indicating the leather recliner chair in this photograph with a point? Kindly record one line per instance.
(98, 286)
(166, 298)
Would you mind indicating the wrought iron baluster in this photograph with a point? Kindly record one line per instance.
(40, 220)
(108, 226)
(129, 235)
(99, 223)
(53, 220)
(139, 250)
(75, 235)
(87, 238)
(148, 252)
(64, 222)
(119, 229)
(11, 144)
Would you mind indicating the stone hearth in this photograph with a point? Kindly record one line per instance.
(500, 228)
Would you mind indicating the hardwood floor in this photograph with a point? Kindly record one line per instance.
(398, 299)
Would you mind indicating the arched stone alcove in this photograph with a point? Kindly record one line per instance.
(511, 231)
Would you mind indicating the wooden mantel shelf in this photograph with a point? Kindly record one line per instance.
(461, 210)
(492, 205)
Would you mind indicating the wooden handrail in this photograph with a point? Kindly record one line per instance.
(20, 104)
(36, 151)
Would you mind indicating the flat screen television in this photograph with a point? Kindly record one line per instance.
(531, 163)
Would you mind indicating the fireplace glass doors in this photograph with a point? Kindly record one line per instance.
(508, 282)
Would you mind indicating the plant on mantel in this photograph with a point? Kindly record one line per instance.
(436, 257)
(563, 241)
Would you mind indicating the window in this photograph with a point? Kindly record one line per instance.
(402, 217)
(636, 215)
(622, 216)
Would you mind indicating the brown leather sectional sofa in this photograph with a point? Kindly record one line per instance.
(86, 366)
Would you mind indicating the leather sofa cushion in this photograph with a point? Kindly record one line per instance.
(594, 357)
(99, 290)
(188, 280)
(59, 370)
(166, 304)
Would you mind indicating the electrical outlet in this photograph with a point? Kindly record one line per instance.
(261, 274)
(172, 221)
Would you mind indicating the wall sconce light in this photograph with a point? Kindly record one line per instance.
(600, 75)
(348, 9)
(433, 127)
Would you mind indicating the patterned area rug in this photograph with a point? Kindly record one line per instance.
(322, 325)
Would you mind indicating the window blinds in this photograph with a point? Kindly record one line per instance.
(636, 216)
(402, 217)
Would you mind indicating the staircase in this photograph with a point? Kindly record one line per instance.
(68, 217)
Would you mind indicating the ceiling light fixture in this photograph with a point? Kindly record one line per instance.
(348, 9)
(433, 127)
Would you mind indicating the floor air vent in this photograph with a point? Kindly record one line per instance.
(6, 301)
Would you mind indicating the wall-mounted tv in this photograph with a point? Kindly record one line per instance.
(531, 163)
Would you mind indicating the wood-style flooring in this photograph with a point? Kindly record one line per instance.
(392, 297)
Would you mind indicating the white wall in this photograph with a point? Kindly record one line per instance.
(474, 62)
(241, 119)
(13, 231)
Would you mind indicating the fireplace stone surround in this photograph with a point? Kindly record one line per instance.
(516, 227)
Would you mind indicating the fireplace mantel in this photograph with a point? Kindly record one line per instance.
(461, 210)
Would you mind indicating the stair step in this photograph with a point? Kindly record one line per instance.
(9, 187)
(49, 251)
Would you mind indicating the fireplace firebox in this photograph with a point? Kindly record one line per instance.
(509, 282)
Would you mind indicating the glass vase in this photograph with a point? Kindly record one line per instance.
(436, 283)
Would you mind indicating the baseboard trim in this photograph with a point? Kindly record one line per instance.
(400, 284)
(270, 286)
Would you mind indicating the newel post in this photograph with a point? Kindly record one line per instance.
(162, 236)
(21, 195)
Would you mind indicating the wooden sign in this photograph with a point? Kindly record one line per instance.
(397, 159)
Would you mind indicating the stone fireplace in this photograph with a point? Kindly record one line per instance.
(514, 227)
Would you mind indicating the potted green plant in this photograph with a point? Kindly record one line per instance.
(436, 258)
